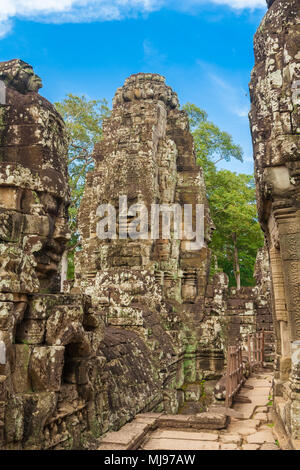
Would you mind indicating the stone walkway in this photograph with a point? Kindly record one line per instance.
(250, 429)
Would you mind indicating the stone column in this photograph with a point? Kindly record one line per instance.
(288, 221)
(281, 316)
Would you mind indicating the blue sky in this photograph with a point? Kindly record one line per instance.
(204, 49)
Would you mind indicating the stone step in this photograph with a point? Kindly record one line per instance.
(226, 411)
(207, 420)
(190, 435)
(247, 429)
(180, 444)
(261, 437)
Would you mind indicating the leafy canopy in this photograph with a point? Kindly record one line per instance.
(231, 197)
(83, 120)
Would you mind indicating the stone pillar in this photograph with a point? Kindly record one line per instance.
(275, 126)
(287, 295)
(2, 353)
(289, 232)
(280, 316)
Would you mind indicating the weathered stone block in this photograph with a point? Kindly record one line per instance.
(45, 368)
(65, 325)
(209, 421)
(20, 377)
(14, 419)
(31, 332)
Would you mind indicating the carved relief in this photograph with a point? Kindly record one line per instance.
(278, 285)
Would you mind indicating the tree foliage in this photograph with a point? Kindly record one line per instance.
(211, 144)
(232, 200)
(233, 209)
(83, 120)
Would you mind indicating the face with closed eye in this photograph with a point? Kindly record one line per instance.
(54, 235)
(34, 192)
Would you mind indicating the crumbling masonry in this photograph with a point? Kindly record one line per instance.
(142, 327)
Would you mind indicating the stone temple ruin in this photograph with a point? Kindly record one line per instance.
(143, 324)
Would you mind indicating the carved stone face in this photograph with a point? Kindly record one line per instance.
(34, 223)
(50, 224)
(34, 193)
(20, 76)
(28, 77)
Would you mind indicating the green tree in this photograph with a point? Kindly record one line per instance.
(83, 120)
(238, 235)
(211, 144)
(232, 200)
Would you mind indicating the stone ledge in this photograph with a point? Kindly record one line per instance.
(132, 435)
(129, 437)
(206, 420)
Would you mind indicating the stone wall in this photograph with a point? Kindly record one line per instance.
(275, 127)
(247, 310)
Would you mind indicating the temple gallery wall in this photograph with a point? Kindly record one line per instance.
(143, 323)
(275, 125)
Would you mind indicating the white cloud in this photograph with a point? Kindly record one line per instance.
(5, 28)
(240, 4)
(76, 11)
(193, 5)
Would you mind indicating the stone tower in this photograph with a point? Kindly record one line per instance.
(42, 338)
(146, 154)
(153, 288)
(275, 124)
(34, 193)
